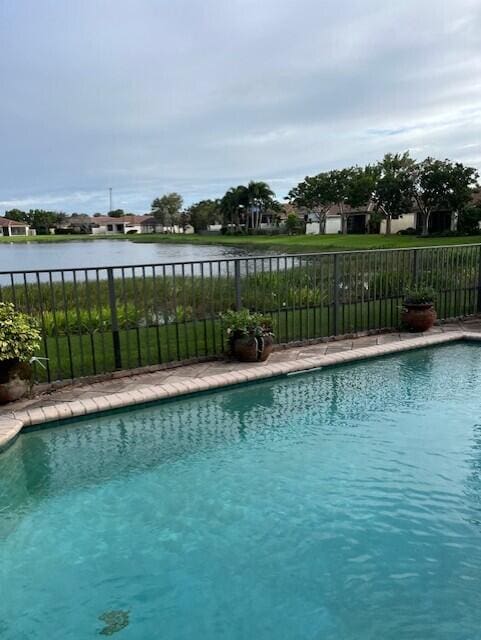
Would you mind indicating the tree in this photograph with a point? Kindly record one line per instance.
(17, 214)
(259, 198)
(184, 221)
(318, 194)
(469, 219)
(166, 209)
(441, 185)
(247, 204)
(204, 213)
(116, 213)
(394, 189)
(339, 186)
(232, 203)
(358, 185)
(293, 224)
(312, 194)
(39, 219)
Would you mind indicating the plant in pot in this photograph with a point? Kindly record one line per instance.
(250, 335)
(19, 340)
(418, 313)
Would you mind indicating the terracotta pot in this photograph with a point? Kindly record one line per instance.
(418, 317)
(15, 380)
(252, 348)
(265, 347)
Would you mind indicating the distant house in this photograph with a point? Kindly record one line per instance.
(13, 228)
(106, 225)
(366, 220)
(357, 220)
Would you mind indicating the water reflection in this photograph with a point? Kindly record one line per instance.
(391, 391)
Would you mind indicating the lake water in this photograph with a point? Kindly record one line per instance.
(102, 253)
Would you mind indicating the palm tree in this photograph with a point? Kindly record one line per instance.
(231, 204)
(259, 198)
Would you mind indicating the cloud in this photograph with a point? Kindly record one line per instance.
(149, 96)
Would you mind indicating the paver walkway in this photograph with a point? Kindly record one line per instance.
(81, 398)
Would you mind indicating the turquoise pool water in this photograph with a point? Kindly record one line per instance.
(338, 505)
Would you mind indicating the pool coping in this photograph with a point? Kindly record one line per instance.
(11, 425)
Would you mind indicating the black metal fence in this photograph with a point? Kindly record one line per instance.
(98, 320)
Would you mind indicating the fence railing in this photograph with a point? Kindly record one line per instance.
(101, 319)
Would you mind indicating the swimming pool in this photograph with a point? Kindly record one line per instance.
(339, 504)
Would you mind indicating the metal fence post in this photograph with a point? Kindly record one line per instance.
(238, 291)
(113, 318)
(415, 266)
(478, 302)
(336, 294)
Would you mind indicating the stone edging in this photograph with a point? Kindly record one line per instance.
(10, 426)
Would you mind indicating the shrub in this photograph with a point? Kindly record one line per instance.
(419, 294)
(293, 225)
(244, 323)
(410, 231)
(19, 334)
(469, 220)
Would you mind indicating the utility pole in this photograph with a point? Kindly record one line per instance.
(110, 199)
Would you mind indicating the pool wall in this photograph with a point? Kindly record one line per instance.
(12, 423)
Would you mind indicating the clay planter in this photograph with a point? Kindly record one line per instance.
(15, 380)
(418, 317)
(252, 348)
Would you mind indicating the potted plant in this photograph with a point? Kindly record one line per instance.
(250, 335)
(19, 340)
(418, 313)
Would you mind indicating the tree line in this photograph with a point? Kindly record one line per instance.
(395, 185)
(240, 207)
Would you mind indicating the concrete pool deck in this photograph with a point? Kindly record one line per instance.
(84, 398)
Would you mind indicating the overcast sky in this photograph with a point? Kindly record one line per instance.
(151, 96)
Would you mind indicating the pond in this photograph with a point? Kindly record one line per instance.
(101, 253)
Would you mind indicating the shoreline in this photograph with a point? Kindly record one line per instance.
(284, 243)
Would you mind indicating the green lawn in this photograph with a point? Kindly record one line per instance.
(82, 354)
(314, 243)
(291, 244)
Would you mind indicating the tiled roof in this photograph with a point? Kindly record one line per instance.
(6, 222)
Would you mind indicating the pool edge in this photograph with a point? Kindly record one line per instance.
(11, 426)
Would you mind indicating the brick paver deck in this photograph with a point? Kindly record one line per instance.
(82, 397)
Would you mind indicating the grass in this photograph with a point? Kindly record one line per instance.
(167, 314)
(314, 243)
(164, 317)
(81, 354)
(287, 244)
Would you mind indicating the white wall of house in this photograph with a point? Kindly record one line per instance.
(134, 227)
(405, 222)
(117, 227)
(333, 225)
(15, 230)
(312, 228)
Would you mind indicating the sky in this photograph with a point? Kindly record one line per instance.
(195, 96)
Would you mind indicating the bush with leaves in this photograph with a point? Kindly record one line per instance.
(242, 323)
(419, 294)
(19, 334)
